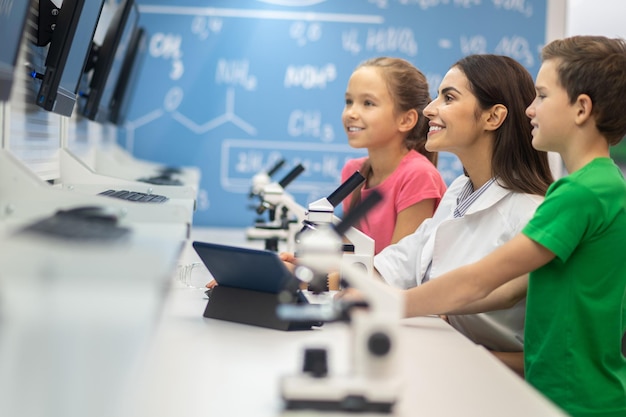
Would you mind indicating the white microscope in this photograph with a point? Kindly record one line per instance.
(284, 213)
(373, 382)
(262, 178)
(359, 250)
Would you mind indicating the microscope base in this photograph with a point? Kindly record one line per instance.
(347, 394)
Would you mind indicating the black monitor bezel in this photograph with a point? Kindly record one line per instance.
(104, 59)
(124, 88)
(57, 57)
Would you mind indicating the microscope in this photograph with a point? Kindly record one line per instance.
(262, 178)
(359, 248)
(282, 209)
(373, 382)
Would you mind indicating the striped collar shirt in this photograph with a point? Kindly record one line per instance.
(468, 196)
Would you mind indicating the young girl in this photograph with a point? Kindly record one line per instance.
(573, 247)
(478, 116)
(383, 113)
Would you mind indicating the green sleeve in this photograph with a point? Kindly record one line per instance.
(562, 220)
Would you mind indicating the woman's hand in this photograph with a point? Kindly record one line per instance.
(350, 295)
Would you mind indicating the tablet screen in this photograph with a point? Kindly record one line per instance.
(253, 269)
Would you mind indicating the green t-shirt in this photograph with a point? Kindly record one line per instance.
(576, 304)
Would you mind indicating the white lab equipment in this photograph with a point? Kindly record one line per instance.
(373, 381)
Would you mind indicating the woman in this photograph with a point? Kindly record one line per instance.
(479, 116)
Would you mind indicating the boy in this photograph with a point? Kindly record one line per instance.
(573, 247)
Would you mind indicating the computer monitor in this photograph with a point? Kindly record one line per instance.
(12, 19)
(67, 55)
(108, 59)
(128, 76)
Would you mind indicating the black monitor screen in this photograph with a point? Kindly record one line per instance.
(109, 60)
(67, 54)
(128, 75)
(12, 17)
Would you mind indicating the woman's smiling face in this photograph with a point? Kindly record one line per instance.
(454, 115)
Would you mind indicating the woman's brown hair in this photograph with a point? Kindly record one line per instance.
(497, 79)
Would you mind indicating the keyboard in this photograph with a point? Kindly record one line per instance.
(77, 228)
(161, 180)
(169, 170)
(135, 196)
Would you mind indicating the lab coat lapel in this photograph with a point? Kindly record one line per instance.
(491, 196)
(451, 231)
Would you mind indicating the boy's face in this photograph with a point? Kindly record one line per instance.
(551, 114)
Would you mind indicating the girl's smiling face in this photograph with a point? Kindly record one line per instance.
(369, 116)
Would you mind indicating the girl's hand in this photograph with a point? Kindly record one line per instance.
(289, 260)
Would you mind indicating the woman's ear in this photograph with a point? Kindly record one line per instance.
(496, 115)
(408, 120)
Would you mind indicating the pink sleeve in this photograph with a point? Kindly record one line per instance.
(418, 182)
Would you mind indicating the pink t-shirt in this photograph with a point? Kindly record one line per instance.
(414, 180)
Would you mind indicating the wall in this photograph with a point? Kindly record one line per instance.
(230, 86)
(601, 17)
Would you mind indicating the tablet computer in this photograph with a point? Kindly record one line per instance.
(250, 283)
(251, 269)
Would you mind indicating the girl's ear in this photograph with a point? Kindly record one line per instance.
(496, 115)
(408, 120)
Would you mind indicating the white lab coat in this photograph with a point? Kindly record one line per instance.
(493, 219)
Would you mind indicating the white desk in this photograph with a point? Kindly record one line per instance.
(75, 318)
(112, 160)
(204, 367)
(24, 198)
(79, 177)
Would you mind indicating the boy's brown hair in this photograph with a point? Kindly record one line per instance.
(595, 66)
